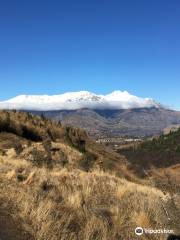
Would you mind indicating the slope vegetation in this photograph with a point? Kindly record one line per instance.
(56, 183)
(160, 152)
(47, 142)
(157, 160)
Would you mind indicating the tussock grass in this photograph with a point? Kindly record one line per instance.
(60, 204)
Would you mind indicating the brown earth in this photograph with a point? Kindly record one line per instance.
(10, 225)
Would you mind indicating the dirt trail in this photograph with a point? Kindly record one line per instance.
(11, 229)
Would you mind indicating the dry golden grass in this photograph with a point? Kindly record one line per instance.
(68, 205)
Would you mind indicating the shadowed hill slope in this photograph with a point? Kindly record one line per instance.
(11, 226)
(162, 151)
(157, 160)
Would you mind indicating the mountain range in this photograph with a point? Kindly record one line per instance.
(113, 115)
(138, 122)
(78, 100)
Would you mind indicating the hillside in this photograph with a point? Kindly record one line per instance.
(49, 140)
(157, 159)
(113, 123)
(160, 152)
(57, 183)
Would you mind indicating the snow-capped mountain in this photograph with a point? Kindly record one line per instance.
(78, 100)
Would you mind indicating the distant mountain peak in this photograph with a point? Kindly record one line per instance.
(77, 100)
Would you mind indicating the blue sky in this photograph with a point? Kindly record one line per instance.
(50, 47)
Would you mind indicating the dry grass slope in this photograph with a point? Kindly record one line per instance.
(62, 186)
(61, 204)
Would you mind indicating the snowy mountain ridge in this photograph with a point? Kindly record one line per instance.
(78, 100)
